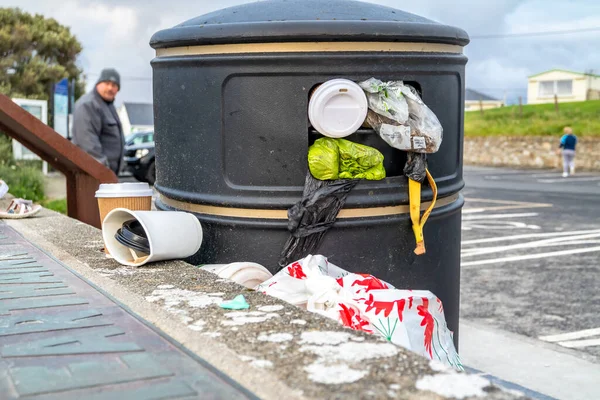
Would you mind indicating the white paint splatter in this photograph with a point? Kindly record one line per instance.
(251, 317)
(262, 364)
(198, 325)
(276, 337)
(454, 385)
(395, 386)
(256, 362)
(324, 337)
(175, 300)
(357, 338)
(298, 322)
(353, 352)
(335, 351)
(216, 294)
(124, 271)
(437, 366)
(235, 329)
(333, 375)
(212, 334)
(270, 308)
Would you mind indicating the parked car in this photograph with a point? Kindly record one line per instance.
(139, 156)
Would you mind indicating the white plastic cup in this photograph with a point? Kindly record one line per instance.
(247, 274)
(171, 234)
(337, 108)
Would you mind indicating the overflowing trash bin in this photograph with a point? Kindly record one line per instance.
(244, 96)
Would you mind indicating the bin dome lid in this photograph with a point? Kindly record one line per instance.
(307, 21)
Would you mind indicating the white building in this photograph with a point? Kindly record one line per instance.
(475, 101)
(568, 86)
(136, 117)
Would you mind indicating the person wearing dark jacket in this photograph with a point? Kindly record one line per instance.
(96, 125)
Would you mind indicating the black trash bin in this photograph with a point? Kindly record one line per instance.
(231, 91)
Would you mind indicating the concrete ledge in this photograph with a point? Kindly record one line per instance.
(273, 349)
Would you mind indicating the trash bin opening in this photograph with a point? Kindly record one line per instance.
(394, 160)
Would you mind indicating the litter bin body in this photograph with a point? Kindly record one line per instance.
(231, 92)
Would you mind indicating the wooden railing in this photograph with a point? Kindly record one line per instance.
(84, 174)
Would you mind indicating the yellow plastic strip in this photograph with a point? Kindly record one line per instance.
(414, 194)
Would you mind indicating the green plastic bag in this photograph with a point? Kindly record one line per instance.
(330, 159)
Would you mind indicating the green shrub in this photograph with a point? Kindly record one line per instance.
(5, 149)
(25, 182)
(59, 205)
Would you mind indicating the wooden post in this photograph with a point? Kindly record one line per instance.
(481, 106)
(556, 103)
(520, 106)
(84, 174)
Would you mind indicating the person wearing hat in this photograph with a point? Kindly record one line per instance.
(96, 125)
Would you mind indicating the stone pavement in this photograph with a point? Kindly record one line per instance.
(175, 335)
(46, 350)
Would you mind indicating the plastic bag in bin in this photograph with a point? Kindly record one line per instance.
(413, 319)
(330, 159)
(400, 117)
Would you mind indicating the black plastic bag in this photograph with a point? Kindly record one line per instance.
(311, 217)
(415, 167)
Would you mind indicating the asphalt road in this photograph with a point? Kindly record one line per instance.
(531, 255)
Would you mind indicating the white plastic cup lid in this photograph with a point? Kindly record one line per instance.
(132, 189)
(337, 108)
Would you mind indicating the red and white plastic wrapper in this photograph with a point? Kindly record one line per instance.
(413, 319)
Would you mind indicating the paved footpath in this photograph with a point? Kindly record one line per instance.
(62, 338)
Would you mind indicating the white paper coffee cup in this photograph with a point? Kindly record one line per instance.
(171, 234)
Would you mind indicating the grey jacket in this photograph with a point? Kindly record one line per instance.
(97, 130)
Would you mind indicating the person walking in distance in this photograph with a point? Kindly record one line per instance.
(96, 125)
(567, 144)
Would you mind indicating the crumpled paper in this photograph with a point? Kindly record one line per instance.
(413, 319)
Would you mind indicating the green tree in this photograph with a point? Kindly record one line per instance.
(36, 52)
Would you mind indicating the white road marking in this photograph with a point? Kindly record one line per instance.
(492, 201)
(498, 216)
(549, 174)
(527, 236)
(471, 210)
(580, 343)
(531, 256)
(497, 225)
(559, 175)
(475, 252)
(560, 241)
(571, 335)
(570, 179)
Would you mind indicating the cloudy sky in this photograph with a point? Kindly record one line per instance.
(116, 33)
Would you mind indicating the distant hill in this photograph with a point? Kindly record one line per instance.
(537, 120)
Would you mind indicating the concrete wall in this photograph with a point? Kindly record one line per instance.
(528, 152)
(581, 84)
